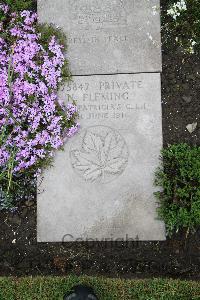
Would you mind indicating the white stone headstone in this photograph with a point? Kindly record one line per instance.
(101, 186)
(108, 36)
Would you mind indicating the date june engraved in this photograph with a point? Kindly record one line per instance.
(100, 155)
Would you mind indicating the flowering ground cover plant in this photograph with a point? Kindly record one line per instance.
(182, 21)
(33, 122)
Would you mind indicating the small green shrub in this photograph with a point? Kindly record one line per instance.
(181, 22)
(179, 178)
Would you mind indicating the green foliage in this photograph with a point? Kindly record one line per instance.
(54, 288)
(185, 29)
(23, 187)
(18, 5)
(179, 178)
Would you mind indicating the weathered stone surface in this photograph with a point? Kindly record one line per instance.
(101, 186)
(108, 36)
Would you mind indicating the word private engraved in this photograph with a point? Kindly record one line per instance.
(98, 13)
(99, 155)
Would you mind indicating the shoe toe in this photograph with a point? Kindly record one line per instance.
(72, 296)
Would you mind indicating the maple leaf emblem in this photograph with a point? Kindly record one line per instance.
(103, 154)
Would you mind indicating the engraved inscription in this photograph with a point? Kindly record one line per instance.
(107, 39)
(108, 100)
(100, 155)
(98, 13)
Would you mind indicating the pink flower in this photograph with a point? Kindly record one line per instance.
(35, 123)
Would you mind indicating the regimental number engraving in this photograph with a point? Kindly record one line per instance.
(95, 13)
(100, 154)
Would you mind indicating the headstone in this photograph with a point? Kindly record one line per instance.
(101, 185)
(108, 36)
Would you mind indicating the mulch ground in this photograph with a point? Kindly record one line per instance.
(178, 257)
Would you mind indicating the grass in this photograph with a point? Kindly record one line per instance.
(53, 288)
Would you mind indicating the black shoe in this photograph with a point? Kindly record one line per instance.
(81, 292)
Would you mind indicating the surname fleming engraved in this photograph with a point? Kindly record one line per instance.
(99, 154)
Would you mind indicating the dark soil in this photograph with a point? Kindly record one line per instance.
(178, 257)
(20, 254)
